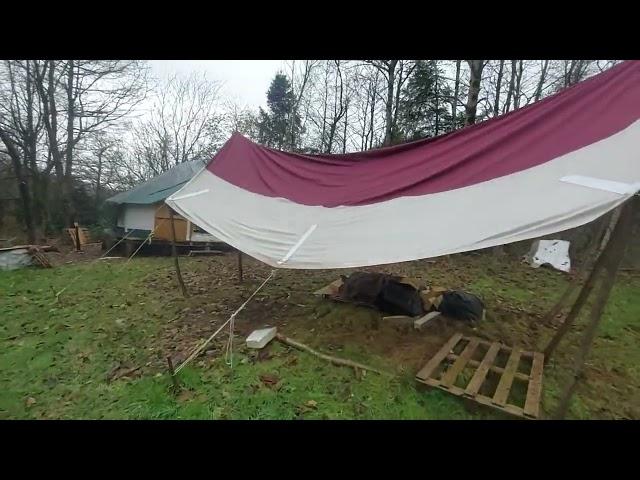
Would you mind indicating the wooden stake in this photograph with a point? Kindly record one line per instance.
(240, 277)
(172, 372)
(174, 254)
(612, 258)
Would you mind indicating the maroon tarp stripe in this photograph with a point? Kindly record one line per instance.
(576, 117)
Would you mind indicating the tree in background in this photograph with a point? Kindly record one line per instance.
(475, 71)
(69, 132)
(280, 126)
(79, 98)
(183, 125)
(424, 107)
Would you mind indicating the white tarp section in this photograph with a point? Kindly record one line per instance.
(550, 252)
(532, 203)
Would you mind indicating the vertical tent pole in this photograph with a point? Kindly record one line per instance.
(584, 293)
(612, 258)
(240, 276)
(592, 253)
(174, 254)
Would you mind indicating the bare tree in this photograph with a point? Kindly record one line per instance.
(299, 83)
(239, 119)
(517, 88)
(544, 67)
(88, 96)
(21, 130)
(456, 92)
(496, 105)
(391, 69)
(184, 124)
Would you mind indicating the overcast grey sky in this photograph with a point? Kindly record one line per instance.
(247, 80)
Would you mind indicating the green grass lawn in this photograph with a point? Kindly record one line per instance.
(61, 359)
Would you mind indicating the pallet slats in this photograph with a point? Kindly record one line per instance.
(532, 404)
(452, 373)
(492, 368)
(504, 387)
(478, 378)
(430, 367)
(507, 374)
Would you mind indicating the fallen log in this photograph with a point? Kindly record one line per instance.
(329, 358)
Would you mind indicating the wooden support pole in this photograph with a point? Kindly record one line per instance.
(584, 292)
(612, 258)
(78, 244)
(240, 276)
(593, 251)
(174, 254)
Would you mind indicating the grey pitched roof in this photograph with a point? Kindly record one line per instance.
(160, 187)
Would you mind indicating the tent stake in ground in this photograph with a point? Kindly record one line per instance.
(174, 253)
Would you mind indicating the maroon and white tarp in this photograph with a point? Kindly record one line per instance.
(556, 164)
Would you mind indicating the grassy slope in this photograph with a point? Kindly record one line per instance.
(60, 354)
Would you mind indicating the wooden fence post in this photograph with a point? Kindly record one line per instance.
(174, 254)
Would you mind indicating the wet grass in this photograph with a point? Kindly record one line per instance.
(57, 359)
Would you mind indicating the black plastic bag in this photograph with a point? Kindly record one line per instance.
(461, 306)
(398, 298)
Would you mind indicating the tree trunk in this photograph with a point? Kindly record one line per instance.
(437, 101)
(543, 76)
(391, 78)
(68, 179)
(23, 186)
(99, 179)
(512, 86)
(38, 202)
(454, 101)
(475, 67)
(517, 91)
(396, 104)
(496, 104)
(324, 111)
(46, 86)
(612, 257)
(344, 136)
(374, 85)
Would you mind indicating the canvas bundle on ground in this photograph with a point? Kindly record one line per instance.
(387, 293)
(395, 295)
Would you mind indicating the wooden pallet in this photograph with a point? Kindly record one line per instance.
(85, 236)
(445, 367)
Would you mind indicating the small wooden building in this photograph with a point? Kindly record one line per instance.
(142, 210)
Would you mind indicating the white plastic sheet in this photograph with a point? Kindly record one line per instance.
(550, 252)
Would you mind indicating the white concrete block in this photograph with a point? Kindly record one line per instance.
(259, 338)
(422, 321)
